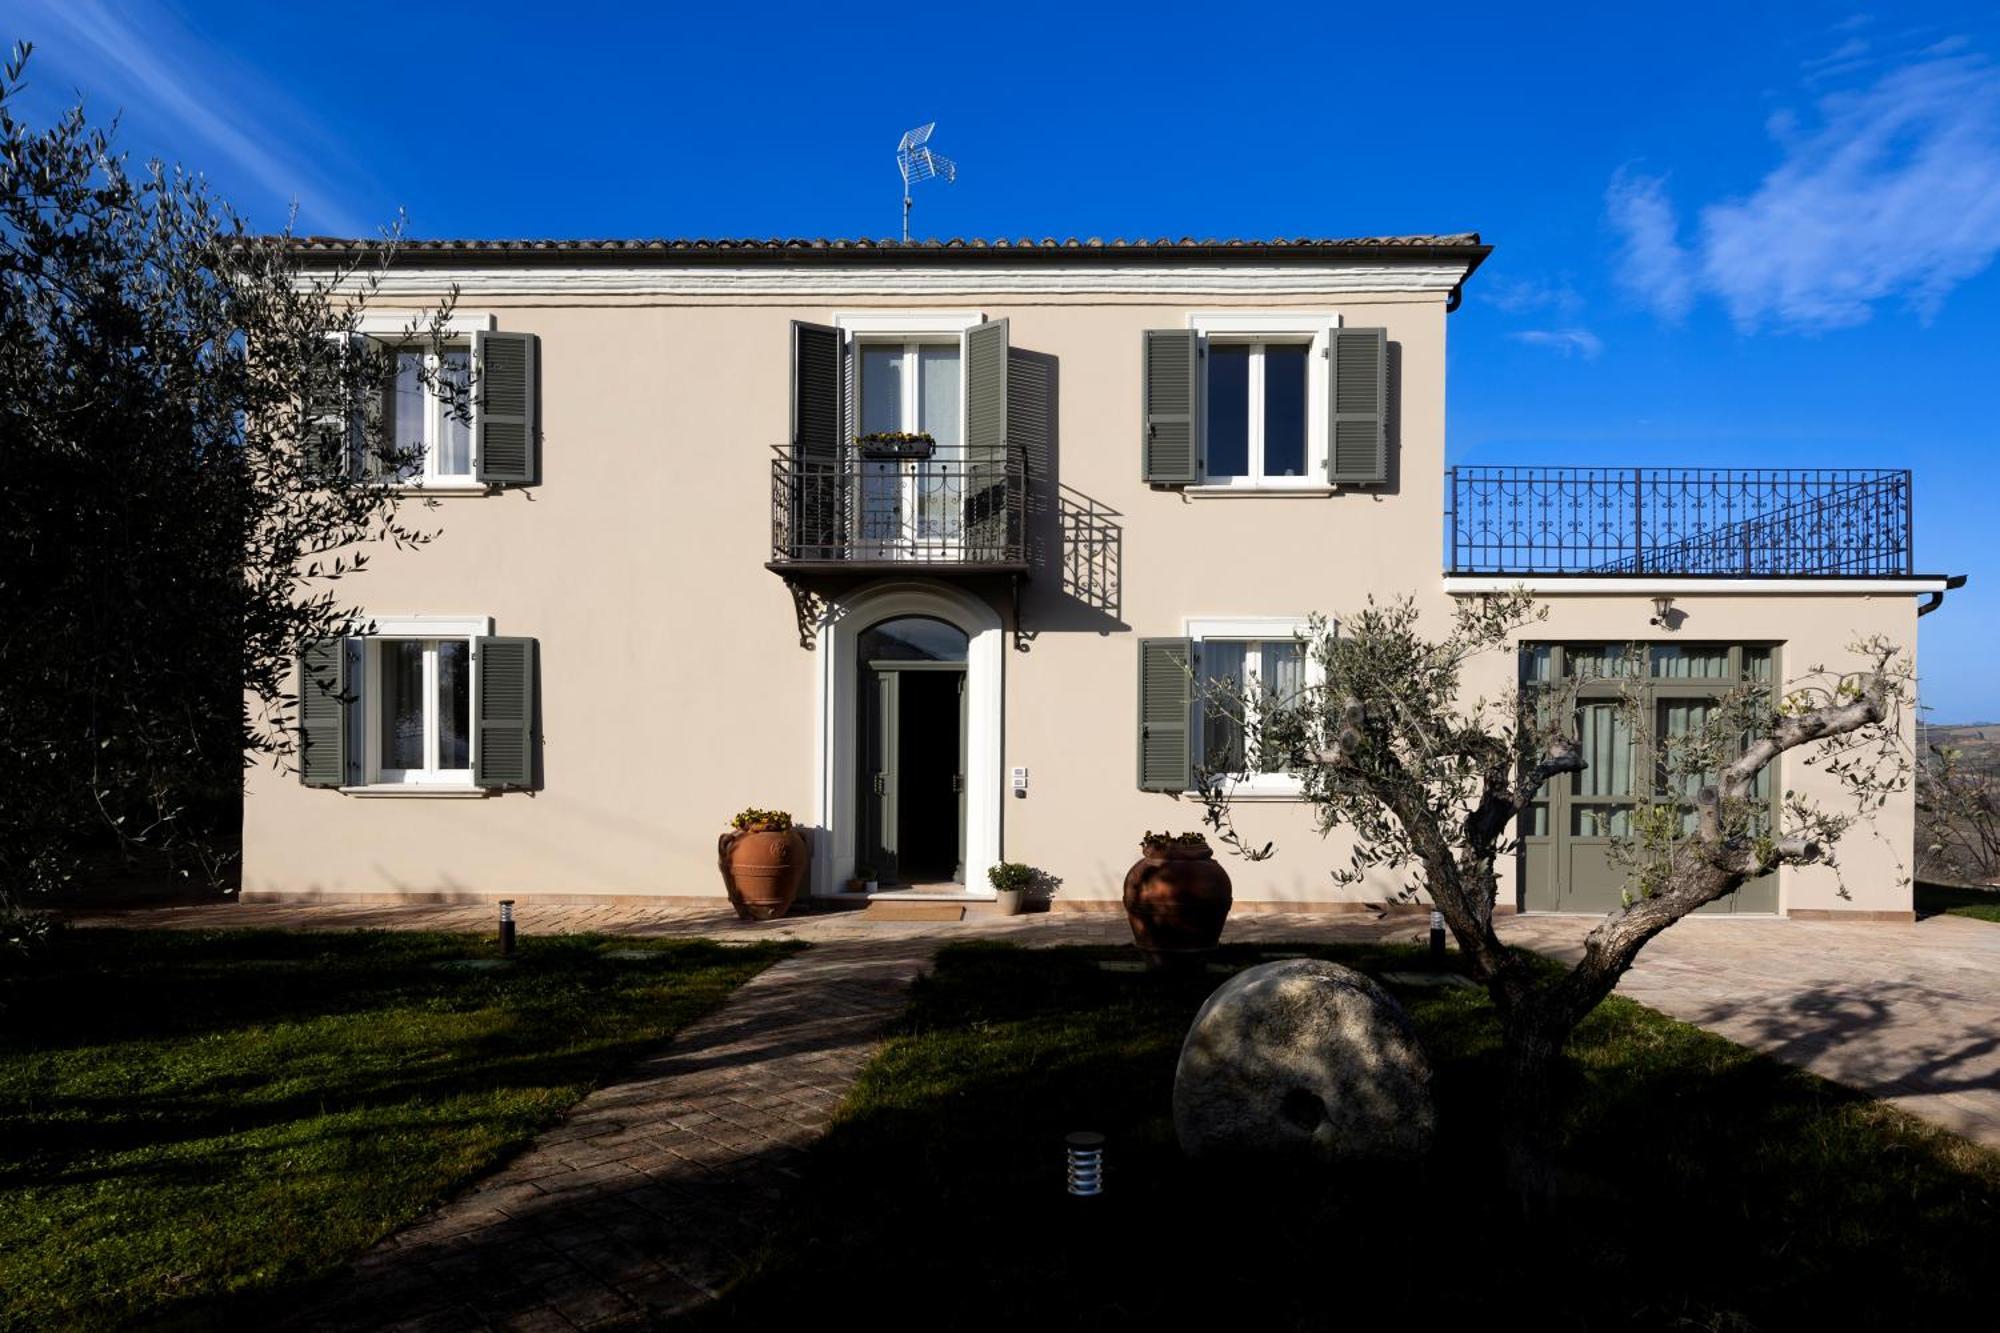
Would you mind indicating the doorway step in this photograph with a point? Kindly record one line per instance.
(912, 910)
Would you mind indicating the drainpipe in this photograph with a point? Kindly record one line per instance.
(1451, 302)
(1936, 599)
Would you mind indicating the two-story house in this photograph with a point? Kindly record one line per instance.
(671, 581)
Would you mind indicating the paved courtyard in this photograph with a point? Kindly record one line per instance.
(645, 1198)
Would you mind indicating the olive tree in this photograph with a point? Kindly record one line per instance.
(194, 461)
(1958, 814)
(1432, 788)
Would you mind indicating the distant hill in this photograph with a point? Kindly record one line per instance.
(1977, 742)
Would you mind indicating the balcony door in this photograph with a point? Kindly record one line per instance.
(911, 509)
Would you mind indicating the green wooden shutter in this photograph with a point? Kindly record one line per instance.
(819, 441)
(1357, 441)
(323, 713)
(503, 408)
(985, 515)
(374, 424)
(1031, 441)
(505, 753)
(1171, 376)
(330, 425)
(985, 356)
(1166, 713)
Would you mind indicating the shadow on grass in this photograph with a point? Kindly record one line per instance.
(1706, 1186)
(1956, 900)
(265, 1104)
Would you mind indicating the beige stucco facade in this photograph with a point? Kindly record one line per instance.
(674, 689)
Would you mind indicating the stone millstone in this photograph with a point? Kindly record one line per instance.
(1303, 1060)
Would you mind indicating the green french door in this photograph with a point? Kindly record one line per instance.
(1568, 860)
(880, 712)
(912, 756)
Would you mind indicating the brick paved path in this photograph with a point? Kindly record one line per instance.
(653, 1191)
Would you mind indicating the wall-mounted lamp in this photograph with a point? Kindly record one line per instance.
(1663, 613)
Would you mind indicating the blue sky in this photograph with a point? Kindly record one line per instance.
(1763, 235)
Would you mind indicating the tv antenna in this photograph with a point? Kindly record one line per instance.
(919, 163)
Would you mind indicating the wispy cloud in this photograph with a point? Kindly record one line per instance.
(1520, 295)
(1569, 342)
(1891, 195)
(1652, 266)
(148, 64)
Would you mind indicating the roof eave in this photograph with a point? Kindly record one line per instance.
(317, 253)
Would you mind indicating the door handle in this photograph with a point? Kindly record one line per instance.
(881, 782)
(958, 782)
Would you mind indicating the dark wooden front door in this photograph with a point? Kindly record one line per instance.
(912, 772)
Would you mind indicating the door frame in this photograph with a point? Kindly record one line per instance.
(1551, 886)
(837, 723)
(890, 673)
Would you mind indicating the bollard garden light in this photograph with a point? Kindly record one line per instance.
(507, 926)
(1085, 1152)
(1437, 938)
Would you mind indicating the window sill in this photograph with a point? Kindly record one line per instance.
(1206, 492)
(443, 488)
(438, 790)
(1234, 795)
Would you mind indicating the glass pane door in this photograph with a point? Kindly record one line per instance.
(910, 387)
(940, 482)
(881, 409)
(1601, 795)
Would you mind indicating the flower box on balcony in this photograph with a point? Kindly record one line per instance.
(895, 446)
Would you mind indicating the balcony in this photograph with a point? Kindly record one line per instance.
(1702, 522)
(960, 512)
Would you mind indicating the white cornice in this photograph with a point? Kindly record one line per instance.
(1472, 585)
(986, 279)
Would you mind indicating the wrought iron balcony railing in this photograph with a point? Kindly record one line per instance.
(1756, 523)
(964, 508)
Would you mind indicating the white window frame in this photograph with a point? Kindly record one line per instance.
(403, 330)
(911, 330)
(377, 780)
(1259, 328)
(912, 390)
(1242, 629)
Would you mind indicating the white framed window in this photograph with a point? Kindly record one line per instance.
(418, 418)
(417, 707)
(418, 717)
(1254, 413)
(1251, 664)
(415, 416)
(1263, 401)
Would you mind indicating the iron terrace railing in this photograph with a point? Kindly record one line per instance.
(1737, 523)
(963, 508)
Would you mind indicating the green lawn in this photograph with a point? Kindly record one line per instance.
(1951, 900)
(1706, 1187)
(187, 1120)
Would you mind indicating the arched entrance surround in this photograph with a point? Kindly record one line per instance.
(837, 713)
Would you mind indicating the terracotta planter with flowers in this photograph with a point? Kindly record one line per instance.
(1177, 897)
(763, 860)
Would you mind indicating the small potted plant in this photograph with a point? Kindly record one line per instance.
(763, 860)
(1177, 896)
(1011, 881)
(863, 880)
(895, 446)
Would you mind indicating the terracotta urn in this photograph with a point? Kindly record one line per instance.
(1177, 897)
(762, 868)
